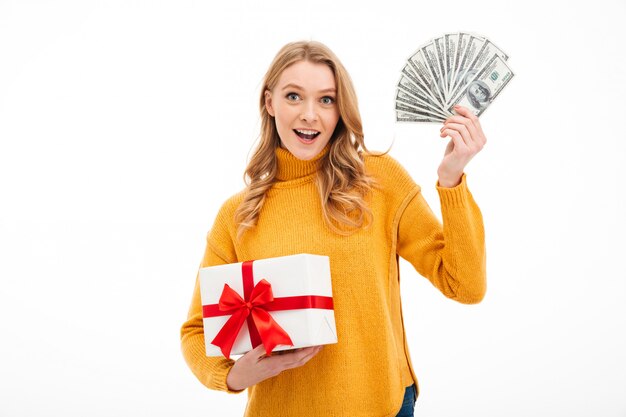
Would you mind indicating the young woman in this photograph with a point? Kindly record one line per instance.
(312, 187)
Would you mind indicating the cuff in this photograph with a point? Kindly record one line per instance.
(455, 196)
(219, 375)
(228, 390)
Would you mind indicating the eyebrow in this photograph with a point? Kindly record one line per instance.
(326, 90)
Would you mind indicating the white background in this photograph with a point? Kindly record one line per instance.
(125, 124)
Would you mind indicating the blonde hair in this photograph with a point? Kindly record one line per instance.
(341, 180)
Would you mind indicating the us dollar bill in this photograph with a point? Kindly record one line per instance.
(455, 68)
(409, 91)
(458, 56)
(472, 47)
(404, 116)
(450, 41)
(440, 54)
(420, 74)
(429, 54)
(486, 51)
(407, 83)
(409, 103)
(485, 86)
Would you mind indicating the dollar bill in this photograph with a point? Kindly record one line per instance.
(429, 54)
(408, 103)
(404, 116)
(485, 86)
(417, 71)
(455, 68)
(458, 55)
(487, 50)
(440, 54)
(408, 85)
(450, 41)
(472, 47)
(409, 91)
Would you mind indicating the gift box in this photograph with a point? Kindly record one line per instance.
(283, 303)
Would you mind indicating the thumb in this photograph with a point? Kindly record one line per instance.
(449, 147)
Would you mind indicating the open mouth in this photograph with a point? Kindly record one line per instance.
(306, 134)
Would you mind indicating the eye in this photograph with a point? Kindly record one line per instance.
(328, 100)
(292, 96)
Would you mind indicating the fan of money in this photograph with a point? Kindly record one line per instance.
(457, 68)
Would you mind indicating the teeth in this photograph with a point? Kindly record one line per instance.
(307, 132)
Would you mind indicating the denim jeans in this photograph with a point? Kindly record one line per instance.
(408, 404)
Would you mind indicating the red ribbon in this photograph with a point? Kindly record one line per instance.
(253, 308)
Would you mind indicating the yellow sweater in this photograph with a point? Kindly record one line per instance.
(366, 372)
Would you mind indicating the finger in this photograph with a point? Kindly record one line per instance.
(475, 121)
(464, 111)
(471, 127)
(474, 127)
(301, 354)
(459, 119)
(256, 353)
(304, 359)
(465, 134)
(274, 365)
(287, 351)
(459, 143)
(294, 359)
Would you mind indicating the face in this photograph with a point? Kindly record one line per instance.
(478, 92)
(303, 104)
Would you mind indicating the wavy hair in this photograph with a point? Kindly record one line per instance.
(341, 180)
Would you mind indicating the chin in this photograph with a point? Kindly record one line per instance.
(304, 153)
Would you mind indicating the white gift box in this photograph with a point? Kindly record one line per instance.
(289, 276)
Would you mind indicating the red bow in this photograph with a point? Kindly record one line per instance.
(270, 333)
(254, 306)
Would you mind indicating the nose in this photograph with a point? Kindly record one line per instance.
(309, 113)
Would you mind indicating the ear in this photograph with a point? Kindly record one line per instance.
(268, 103)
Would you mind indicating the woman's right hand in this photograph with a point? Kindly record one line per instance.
(255, 366)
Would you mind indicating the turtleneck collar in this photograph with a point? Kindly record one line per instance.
(291, 168)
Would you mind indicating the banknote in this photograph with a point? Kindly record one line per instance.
(455, 68)
(404, 116)
(472, 46)
(485, 86)
(407, 90)
(419, 71)
(487, 50)
(441, 66)
(458, 54)
(429, 52)
(450, 41)
(409, 86)
(405, 97)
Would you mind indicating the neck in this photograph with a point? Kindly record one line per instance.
(290, 167)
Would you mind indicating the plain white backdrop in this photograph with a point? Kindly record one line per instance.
(125, 124)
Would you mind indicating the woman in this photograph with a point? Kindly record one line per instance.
(313, 188)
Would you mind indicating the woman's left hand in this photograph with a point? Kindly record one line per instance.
(467, 140)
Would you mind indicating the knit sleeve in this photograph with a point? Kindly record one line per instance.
(210, 371)
(452, 256)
